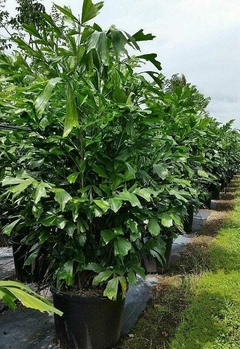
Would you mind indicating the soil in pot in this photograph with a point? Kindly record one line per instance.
(87, 322)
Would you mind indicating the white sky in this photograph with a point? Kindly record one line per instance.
(199, 38)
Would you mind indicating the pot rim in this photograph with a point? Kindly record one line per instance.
(80, 298)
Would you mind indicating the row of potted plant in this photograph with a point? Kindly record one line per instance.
(101, 165)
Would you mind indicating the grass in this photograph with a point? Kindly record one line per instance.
(212, 319)
(197, 306)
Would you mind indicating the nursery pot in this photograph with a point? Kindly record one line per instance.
(215, 191)
(152, 265)
(163, 268)
(3, 240)
(87, 322)
(188, 222)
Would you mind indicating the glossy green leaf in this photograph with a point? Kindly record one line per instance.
(154, 227)
(67, 13)
(145, 193)
(115, 204)
(111, 290)
(94, 267)
(122, 246)
(124, 285)
(166, 220)
(40, 192)
(43, 99)
(90, 10)
(22, 186)
(32, 30)
(26, 296)
(160, 170)
(139, 271)
(132, 277)
(132, 198)
(8, 228)
(62, 197)
(118, 41)
(66, 273)
(104, 205)
(101, 277)
(98, 41)
(70, 228)
(73, 177)
(71, 119)
(203, 174)
(107, 235)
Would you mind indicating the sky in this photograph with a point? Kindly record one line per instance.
(197, 38)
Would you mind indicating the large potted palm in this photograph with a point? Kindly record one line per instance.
(80, 192)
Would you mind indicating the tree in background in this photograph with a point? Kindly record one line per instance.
(28, 12)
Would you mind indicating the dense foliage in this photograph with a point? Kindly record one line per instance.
(99, 162)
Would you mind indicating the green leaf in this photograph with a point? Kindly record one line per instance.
(160, 170)
(132, 198)
(107, 235)
(98, 41)
(62, 197)
(122, 246)
(67, 13)
(111, 291)
(22, 186)
(8, 228)
(40, 192)
(115, 204)
(37, 210)
(101, 277)
(166, 220)
(146, 193)
(70, 228)
(8, 298)
(140, 36)
(124, 285)
(43, 99)
(71, 119)
(49, 221)
(132, 277)
(100, 170)
(139, 271)
(154, 227)
(26, 296)
(32, 30)
(104, 205)
(151, 57)
(66, 273)
(73, 177)
(94, 267)
(118, 41)
(202, 174)
(90, 10)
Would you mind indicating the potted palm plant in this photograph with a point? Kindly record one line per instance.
(80, 190)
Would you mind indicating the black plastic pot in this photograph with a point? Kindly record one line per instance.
(215, 191)
(3, 240)
(163, 268)
(188, 222)
(152, 265)
(87, 322)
